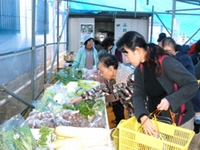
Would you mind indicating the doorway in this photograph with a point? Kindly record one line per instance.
(104, 27)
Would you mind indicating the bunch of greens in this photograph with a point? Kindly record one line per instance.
(45, 132)
(84, 109)
(87, 107)
(90, 103)
(69, 107)
(64, 78)
(77, 73)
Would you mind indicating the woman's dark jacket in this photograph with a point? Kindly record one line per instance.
(174, 72)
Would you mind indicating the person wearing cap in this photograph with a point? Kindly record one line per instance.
(161, 37)
(87, 56)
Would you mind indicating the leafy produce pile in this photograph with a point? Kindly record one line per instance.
(68, 75)
(55, 107)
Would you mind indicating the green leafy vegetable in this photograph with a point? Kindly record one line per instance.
(74, 72)
(90, 103)
(87, 107)
(45, 132)
(64, 78)
(99, 106)
(79, 74)
(17, 139)
(84, 109)
(85, 85)
(65, 106)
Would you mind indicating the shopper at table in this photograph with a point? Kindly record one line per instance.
(154, 83)
(118, 108)
(118, 81)
(87, 56)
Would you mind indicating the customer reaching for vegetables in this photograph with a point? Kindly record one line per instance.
(118, 81)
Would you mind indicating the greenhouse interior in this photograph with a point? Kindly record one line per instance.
(39, 40)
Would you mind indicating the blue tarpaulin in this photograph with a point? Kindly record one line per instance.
(187, 14)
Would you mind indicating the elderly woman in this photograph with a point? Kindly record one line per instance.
(87, 56)
(118, 81)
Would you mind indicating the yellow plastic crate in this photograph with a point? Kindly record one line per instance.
(126, 137)
(115, 136)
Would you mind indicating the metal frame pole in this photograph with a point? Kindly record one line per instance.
(173, 16)
(74, 1)
(163, 24)
(151, 32)
(58, 37)
(183, 9)
(4, 89)
(135, 9)
(33, 49)
(67, 28)
(56, 51)
(192, 36)
(45, 40)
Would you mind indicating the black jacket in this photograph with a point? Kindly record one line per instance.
(174, 72)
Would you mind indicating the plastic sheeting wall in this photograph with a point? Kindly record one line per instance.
(21, 59)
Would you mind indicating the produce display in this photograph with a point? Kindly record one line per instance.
(58, 124)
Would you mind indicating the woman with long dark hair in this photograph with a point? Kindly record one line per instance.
(154, 83)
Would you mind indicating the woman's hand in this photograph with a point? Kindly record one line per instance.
(76, 99)
(164, 104)
(148, 126)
